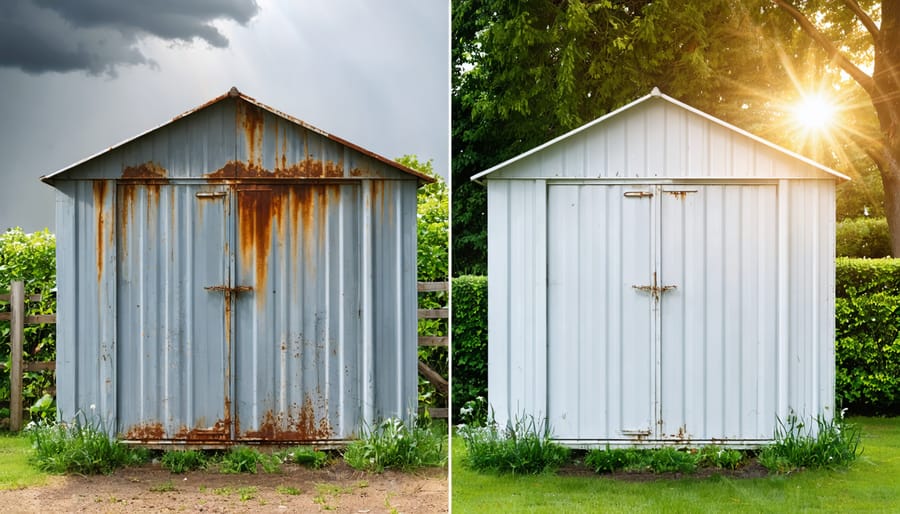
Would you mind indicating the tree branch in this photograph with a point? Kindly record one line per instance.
(864, 18)
(873, 148)
(858, 75)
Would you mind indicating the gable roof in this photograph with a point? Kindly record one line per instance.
(234, 93)
(656, 94)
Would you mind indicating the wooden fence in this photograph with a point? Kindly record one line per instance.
(18, 319)
(439, 382)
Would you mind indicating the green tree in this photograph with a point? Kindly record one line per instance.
(433, 227)
(527, 71)
(433, 241)
(855, 35)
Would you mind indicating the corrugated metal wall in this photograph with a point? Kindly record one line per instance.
(210, 296)
(745, 334)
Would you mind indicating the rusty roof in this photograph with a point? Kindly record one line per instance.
(234, 93)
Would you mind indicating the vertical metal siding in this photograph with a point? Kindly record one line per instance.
(395, 349)
(236, 276)
(745, 338)
(654, 139)
(713, 373)
(172, 246)
(294, 350)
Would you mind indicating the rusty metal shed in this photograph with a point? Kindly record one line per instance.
(658, 276)
(236, 275)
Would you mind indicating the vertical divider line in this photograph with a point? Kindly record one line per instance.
(368, 364)
(656, 320)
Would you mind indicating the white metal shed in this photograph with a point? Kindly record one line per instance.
(659, 276)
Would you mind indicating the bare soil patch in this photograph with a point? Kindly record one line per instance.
(750, 469)
(149, 488)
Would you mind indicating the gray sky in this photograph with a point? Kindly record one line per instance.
(79, 77)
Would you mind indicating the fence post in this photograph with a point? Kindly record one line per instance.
(17, 340)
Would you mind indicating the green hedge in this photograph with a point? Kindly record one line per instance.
(470, 343)
(867, 335)
(31, 258)
(863, 237)
(855, 277)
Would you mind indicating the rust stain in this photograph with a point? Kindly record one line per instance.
(680, 195)
(125, 199)
(146, 432)
(256, 210)
(148, 169)
(100, 187)
(299, 424)
(253, 124)
(307, 168)
(217, 432)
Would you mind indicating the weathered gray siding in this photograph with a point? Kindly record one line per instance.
(237, 275)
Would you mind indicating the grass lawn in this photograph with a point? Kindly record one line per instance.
(872, 484)
(15, 472)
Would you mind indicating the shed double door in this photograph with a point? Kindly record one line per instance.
(234, 303)
(661, 311)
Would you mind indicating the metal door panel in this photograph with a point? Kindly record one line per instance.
(172, 363)
(600, 347)
(296, 364)
(718, 244)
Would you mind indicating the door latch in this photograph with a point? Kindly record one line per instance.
(229, 290)
(655, 289)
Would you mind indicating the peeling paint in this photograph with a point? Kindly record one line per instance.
(307, 168)
(298, 424)
(147, 431)
(148, 169)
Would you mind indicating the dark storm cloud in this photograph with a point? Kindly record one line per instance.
(98, 35)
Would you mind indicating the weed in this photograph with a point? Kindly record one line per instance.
(323, 491)
(284, 489)
(240, 459)
(80, 446)
(393, 444)
(223, 491)
(181, 461)
(671, 460)
(474, 412)
(610, 460)
(524, 447)
(836, 444)
(270, 463)
(247, 493)
(309, 457)
(718, 457)
(163, 487)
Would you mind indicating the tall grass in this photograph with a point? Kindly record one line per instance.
(80, 446)
(835, 445)
(394, 444)
(523, 447)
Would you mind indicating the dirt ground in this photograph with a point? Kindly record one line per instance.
(149, 488)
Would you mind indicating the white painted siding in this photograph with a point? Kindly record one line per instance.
(743, 231)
